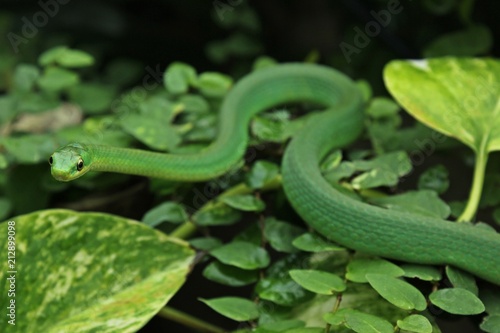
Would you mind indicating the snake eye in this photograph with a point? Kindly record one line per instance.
(51, 160)
(79, 166)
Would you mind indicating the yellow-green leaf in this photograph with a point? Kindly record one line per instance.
(88, 272)
(455, 96)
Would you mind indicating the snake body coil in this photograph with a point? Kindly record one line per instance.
(356, 225)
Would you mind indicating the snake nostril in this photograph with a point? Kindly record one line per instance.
(51, 160)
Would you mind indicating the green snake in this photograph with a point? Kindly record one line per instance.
(353, 224)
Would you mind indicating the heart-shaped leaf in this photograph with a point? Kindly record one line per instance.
(455, 96)
(82, 272)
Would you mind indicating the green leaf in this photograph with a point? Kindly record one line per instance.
(472, 41)
(282, 291)
(214, 84)
(60, 255)
(261, 173)
(462, 279)
(415, 323)
(263, 62)
(305, 330)
(150, 131)
(171, 212)
(230, 275)
(318, 282)
(92, 97)
(242, 254)
(384, 170)
(215, 214)
(331, 161)
(235, 308)
(244, 202)
(423, 202)
(381, 107)
(422, 272)
(25, 77)
(434, 178)
(194, 103)
(178, 77)
(359, 322)
(358, 268)
(279, 326)
(29, 149)
(465, 107)
(398, 292)
(314, 243)
(491, 324)
(55, 79)
(205, 243)
(65, 57)
(457, 301)
(269, 129)
(281, 235)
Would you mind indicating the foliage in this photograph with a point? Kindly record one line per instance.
(241, 225)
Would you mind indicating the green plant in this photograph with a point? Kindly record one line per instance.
(313, 283)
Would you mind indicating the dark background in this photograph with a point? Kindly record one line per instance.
(155, 33)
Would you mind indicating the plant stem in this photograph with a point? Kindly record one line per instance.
(477, 185)
(188, 320)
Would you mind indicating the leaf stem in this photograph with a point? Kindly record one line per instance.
(477, 185)
(188, 320)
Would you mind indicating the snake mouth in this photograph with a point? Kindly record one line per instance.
(61, 175)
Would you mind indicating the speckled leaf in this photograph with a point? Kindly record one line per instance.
(457, 301)
(90, 272)
(455, 96)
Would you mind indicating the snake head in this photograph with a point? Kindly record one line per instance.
(70, 162)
